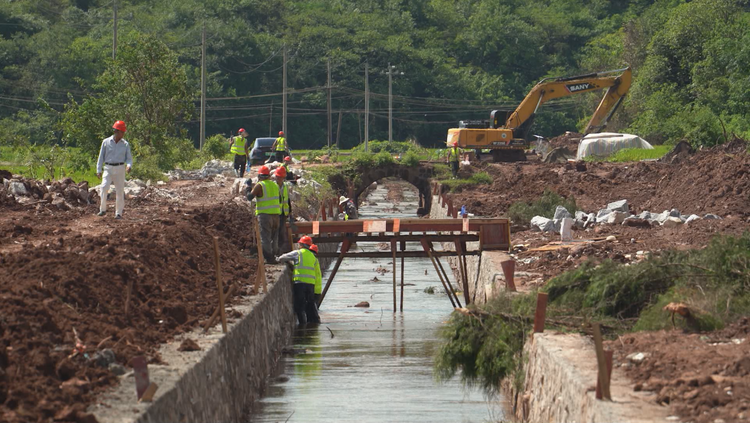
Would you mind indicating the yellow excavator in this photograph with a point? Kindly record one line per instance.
(509, 140)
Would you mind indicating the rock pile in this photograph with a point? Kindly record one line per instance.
(64, 194)
(616, 213)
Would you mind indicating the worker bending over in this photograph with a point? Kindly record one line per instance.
(268, 211)
(348, 208)
(312, 308)
(304, 277)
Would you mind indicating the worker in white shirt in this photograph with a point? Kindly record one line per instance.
(115, 159)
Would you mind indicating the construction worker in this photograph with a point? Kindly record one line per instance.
(304, 277)
(115, 159)
(454, 156)
(238, 146)
(312, 308)
(285, 244)
(268, 210)
(279, 147)
(289, 174)
(348, 208)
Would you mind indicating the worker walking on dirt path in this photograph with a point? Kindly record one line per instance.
(304, 277)
(454, 156)
(268, 210)
(115, 159)
(285, 244)
(312, 307)
(238, 146)
(348, 208)
(280, 147)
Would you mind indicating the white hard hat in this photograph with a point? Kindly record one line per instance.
(343, 199)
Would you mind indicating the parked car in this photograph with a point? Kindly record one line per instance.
(261, 150)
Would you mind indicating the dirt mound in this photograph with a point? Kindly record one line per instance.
(680, 152)
(63, 194)
(569, 140)
(558, 155)
(715, 180)
(75, 284)
(702, 378)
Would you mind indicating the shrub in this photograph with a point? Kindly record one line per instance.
(410, 159)
(383, 158)
(522, 212)
(215, 147)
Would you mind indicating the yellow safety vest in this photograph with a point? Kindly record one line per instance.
(269, 202)
(318, 278)
(239, 146)
(304, 270)
(285, 200)
(454, 153)
(280, 144)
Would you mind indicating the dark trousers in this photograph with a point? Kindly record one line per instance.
(280, 156)
(240, 162)
(454, 169)
(302, 294)
(312, 310)
(285, 244)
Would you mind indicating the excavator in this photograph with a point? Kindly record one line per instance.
(508, 141)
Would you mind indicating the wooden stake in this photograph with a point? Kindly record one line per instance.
(393, 251)
(608, 356)
(403, 247)
(344, 249)
(462, 270)
(212, 320)
(219, 285)
(541, 312)
(601, 362)
(261, 277)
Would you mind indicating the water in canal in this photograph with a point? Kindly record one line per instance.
(369, 364)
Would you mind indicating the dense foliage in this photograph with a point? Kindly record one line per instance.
(460, 59)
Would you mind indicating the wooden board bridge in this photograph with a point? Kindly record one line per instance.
(487, 234)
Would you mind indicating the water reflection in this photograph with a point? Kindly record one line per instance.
(371, 364)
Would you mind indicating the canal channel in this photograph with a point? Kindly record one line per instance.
(370, 364)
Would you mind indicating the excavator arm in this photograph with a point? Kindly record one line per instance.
(551, 88)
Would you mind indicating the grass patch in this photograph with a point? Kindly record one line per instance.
(521, 212)
(632, 155)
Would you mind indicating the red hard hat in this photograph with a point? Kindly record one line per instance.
(305, 240)
(281, 132)
(280, 172)
(119, 125)
(287, 159)
(241, 130)
(314, 248)
(264, 171)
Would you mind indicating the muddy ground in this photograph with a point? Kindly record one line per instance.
(702, 377)
(64, 274)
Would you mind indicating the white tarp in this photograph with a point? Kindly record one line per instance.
(607, 143)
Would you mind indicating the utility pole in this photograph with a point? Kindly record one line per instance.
(283, 118)
(391, 72)
(203, 86)
(338, 131)
(367, 107)
(329, 104)
(114, 32)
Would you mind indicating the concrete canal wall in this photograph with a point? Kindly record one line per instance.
(220, 382)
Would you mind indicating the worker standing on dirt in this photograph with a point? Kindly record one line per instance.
(312, 307)
(115, 159)
(454, 156)
(348, 208)
(280, 148)
(238, 146)
(285, 244)
(268, 210)
(304, 277)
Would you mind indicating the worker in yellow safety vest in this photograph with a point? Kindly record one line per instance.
(238, 146)
(312, 308)
(304, 277)
(285, 244)
(280, 147)
(268, 211)
(454, 157)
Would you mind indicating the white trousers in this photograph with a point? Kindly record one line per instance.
(113, 175)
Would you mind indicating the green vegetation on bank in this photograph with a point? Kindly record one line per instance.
(633, 155)
(486, 344)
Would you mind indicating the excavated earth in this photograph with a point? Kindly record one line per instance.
(702, 377)
(64, 278)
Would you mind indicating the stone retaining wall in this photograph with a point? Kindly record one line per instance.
(221, 382)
